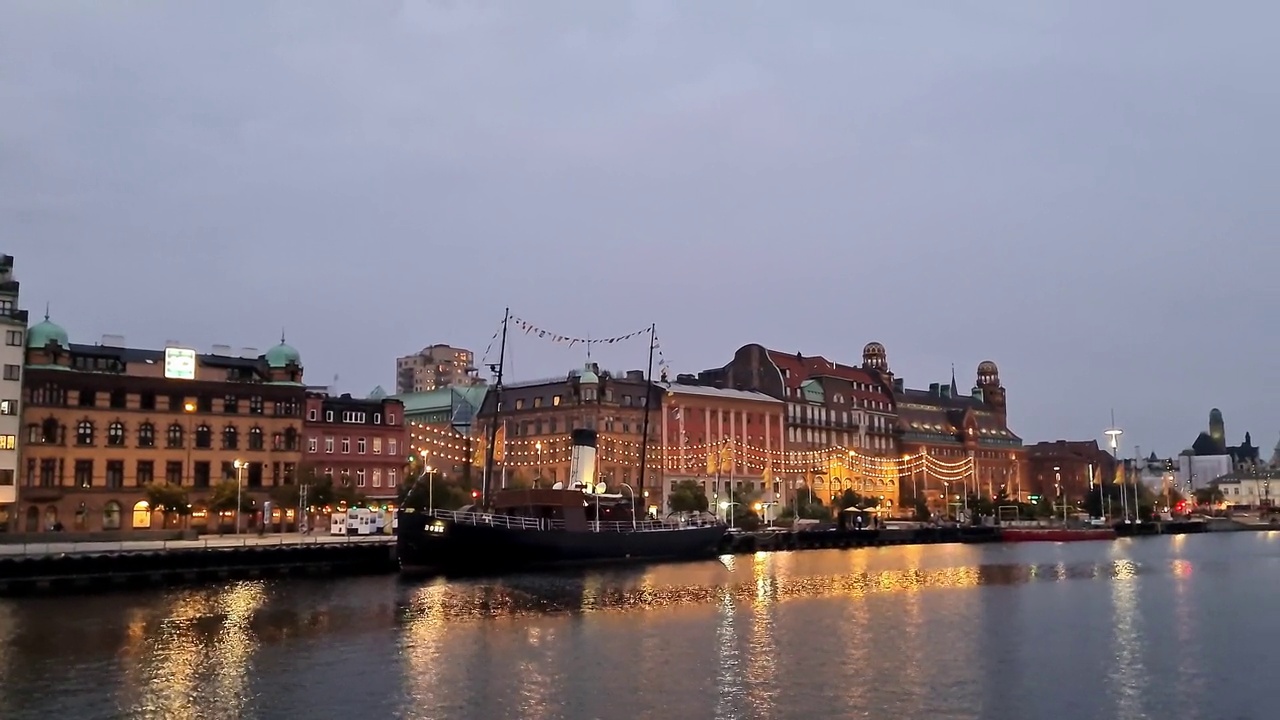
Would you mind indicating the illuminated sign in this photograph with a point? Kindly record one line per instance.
(179, 364)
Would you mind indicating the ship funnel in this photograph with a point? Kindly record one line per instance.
(582, 460)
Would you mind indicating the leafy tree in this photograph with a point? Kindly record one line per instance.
(222, 497)
(431, 490)
(1211, 495)
(807, 508)
(922, 510)
(688, 496)
(169, 499)
(850, 499)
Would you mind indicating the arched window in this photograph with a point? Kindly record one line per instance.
(82, 518)
(255, 438)
(142, 515)
(49, 432)
(174, 437)
(115, 434)
(230, 438)
(84, 433)
(204, 436)
(146, 435)
(111, 515)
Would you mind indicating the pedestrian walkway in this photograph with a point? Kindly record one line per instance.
(211, 542)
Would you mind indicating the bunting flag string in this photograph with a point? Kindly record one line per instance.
(531, 329)
(489, 348)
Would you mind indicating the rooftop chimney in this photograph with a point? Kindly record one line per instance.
(934, 389)
(945, 390)
(899, 385)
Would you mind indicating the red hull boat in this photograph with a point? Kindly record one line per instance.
(1056, 534)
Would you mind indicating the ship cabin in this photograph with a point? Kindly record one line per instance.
(574, 508)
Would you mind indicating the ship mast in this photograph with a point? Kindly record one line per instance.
(644, 433)
(487, 480)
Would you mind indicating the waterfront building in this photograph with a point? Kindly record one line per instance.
(435, 367)
(362, 443)
(1249, 489)
(13, 322)
(1210, 458)
(537, 418)
(1073, 464)
(956, 443)
(101, 423)
(721, 438)
(440, 430)
(840, 422)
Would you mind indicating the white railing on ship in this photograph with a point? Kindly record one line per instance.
(525, 523)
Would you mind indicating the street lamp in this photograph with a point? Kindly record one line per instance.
(239, 465)
(538, 447)
(1113, 434)
(189, 408)
(633, 504)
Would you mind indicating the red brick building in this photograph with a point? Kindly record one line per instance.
(1068, 462)
(840, 420)
(951, 442)
(722, 438)
(363, 443)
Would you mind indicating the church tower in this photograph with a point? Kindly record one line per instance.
(1217, 428)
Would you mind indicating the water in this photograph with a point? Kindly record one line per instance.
(1171, 627)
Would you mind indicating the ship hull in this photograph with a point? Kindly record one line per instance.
(1056, 534)
(428, 545)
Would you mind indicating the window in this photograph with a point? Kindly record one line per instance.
(391, 446)
(13, 338)
(12, 372)
(147, 401)
(204, 437)
(115, 474)
(328, 416)
(254, 477)
(119, 399)
(555, 400)
(111, 515)
(520, 404)
(377, 418)
(360, 477)
(231, 404)
(84, 473)
(6, 478)
(311, 415)
(346, 446)
(229, 471)
(48, 473)
(537, 402)
(313, 445)
(291, 441)
(377, 446)
(328, 445)
(146, 473)
(255, 405)
(391, 419)
(173, 439)
(84, 433)
(360, 446)
(115, 434)
(391, 477)
(377, 478)
(204, 403)
(88, 398)
(255, 438)
(201, 479)
(173, 472)
(8, 407)
(230, 438)
(146, 435)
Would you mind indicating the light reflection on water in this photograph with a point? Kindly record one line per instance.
(1136, 628)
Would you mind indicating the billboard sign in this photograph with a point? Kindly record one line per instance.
(179, 363)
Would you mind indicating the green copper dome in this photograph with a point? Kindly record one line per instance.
(42, 333)
(282, 355)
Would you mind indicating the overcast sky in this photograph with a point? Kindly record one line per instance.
(1083, 191)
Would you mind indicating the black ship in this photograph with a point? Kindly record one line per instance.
(565, 525)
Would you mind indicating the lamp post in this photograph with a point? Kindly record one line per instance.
(633, 504)
(538, 447)
(189, 408)
(1062, 496)
(239, 465)
(1113, 434)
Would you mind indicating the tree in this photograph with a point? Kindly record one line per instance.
(688, 496)
(169, 499)
(223, 497)
(1211, 495)
(431, 491)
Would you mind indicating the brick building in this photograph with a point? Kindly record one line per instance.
(720, 437)
(952, 443)
(1068, 462)
(537, 417)
(440, 423)
(102, 422)
(840, 421)
(359, 442)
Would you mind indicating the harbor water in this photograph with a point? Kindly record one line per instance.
(1161, 627)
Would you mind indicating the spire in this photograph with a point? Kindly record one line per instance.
(954, 390)
(46, 311)
(281, 335)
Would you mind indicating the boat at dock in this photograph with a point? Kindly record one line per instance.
(539, 529)
(1058, 533)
